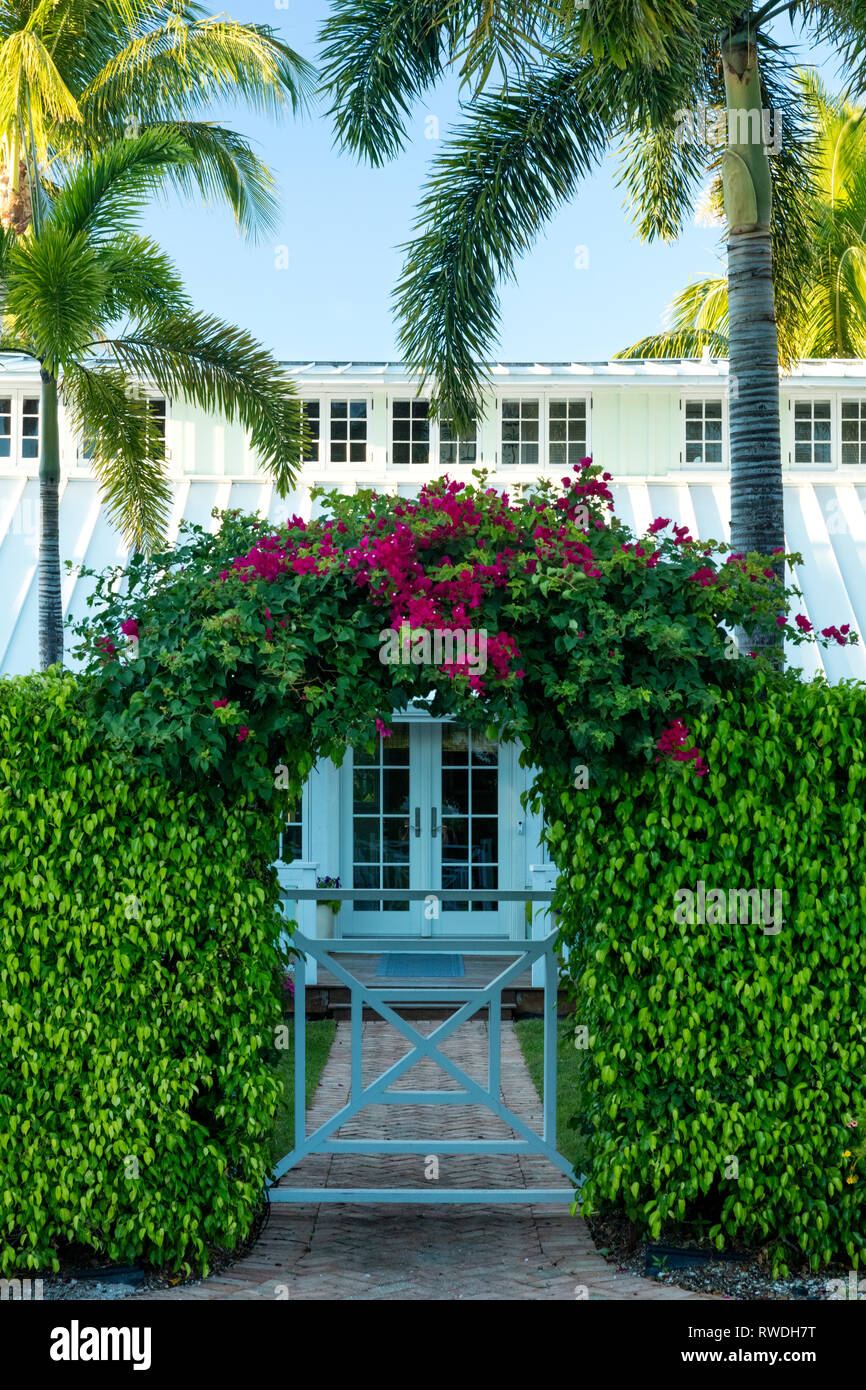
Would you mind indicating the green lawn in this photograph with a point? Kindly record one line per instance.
(320, 1038)
(570, 1062)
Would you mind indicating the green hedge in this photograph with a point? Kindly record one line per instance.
(723, 1048)
(138, 997)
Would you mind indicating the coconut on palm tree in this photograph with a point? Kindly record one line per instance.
(581, 77)
(828, 318)
(101, 308)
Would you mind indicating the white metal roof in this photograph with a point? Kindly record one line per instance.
(615, 371)
(825, 520)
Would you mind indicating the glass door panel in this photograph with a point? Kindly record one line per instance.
(466, 853)
(424, 812)
(381, 830)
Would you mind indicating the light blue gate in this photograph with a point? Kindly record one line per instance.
(489, 996)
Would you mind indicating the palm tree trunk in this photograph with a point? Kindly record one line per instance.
(50, 602)
(757, 499)
(757, 508)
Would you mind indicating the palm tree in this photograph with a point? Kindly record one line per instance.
(64, 288)
(829, 318)
(581, 76)
(76, 75)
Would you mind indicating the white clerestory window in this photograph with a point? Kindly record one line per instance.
(19, 427)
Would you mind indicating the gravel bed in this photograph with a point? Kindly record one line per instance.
(749, 1278)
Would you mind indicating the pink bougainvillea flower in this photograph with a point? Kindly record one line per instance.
(781, 620)
(658, 525)
(803, 623)
(219, 704)
(673, 744)
(243, 733)
(106, 645)
(383, 729)
(129, 628)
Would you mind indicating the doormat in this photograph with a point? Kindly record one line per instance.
(413, 964)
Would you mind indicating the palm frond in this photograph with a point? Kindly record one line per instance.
(378, 57)
(27, 67)
(222, 167)
(680, 343)
(223, 370)
(190, 61)
(519, 155)
(126, 449)
(140, 280)
(662, 178)
(696, 318)
(795, 179)
(54, 293)
(103, 196)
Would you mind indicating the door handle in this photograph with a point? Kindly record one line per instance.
(434, 827)
(417, 820)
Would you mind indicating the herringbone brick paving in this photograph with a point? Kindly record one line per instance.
(329, 1251)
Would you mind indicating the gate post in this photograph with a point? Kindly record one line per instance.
(300, 874)
(542, 879)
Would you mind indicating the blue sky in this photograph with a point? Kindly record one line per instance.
(343, 223)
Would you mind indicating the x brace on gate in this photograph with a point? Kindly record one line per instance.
(378, 1092)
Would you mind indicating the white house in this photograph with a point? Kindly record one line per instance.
(438, 807)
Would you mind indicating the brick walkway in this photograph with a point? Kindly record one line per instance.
(455, 1252)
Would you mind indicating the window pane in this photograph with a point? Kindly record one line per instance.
(311, 413)
(455, 745)
(366, 840)
(410, 426)
(366, 785)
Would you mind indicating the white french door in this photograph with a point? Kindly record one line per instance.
(425, 812)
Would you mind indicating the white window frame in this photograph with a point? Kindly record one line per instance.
(850, 469)
(17, 396)
(702, 394)
(836, 395)
(304, 822)
(833, 396)
(436, 448)
(545, 396)
(326, 399)
(413, 469)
